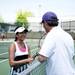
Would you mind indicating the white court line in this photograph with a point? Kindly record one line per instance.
(3, 60)
(3, 53)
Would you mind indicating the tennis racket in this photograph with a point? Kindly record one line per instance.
(41, 40)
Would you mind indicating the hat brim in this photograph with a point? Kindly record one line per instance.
(42, 22)
(21, 29)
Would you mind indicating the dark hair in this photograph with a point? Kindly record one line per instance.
(16, 33)
(53, 22)
(16, 37)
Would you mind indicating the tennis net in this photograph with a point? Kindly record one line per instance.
(36, 68)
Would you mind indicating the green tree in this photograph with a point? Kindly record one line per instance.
(21, 18)
(1, 19)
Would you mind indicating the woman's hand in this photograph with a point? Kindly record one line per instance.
(30, 59)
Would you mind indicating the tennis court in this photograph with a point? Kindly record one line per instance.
(4, 64)
(4, 47)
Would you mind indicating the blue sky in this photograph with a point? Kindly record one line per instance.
(63, 8)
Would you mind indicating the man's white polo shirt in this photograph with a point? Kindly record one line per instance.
(58, 46)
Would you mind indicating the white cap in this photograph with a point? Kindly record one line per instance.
(20, 29)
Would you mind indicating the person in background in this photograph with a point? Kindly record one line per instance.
(2, 36)
(19, 53)
(58, 47)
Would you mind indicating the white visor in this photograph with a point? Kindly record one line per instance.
(20, 29)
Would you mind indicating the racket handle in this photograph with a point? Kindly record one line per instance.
(35, 55)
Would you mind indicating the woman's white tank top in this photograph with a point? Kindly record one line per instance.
(19, 52)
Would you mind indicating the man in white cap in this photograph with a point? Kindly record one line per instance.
(57, 49)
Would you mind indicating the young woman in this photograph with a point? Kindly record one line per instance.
(19, 55)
